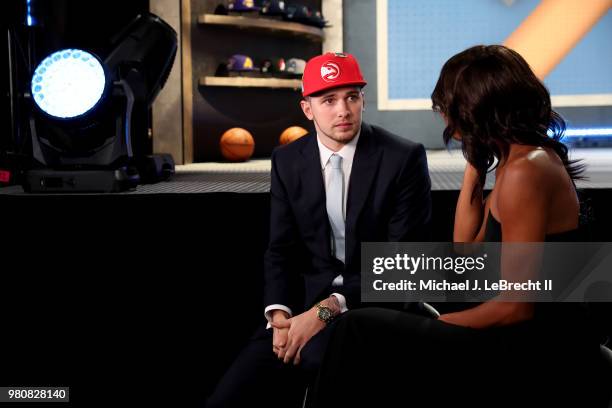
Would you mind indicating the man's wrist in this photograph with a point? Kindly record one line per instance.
(333, 304)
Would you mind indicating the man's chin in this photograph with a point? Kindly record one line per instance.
(344, 136)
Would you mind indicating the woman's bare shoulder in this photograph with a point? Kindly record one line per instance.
(527, 181)
(530, 165)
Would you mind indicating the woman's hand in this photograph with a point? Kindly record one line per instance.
(469, 213)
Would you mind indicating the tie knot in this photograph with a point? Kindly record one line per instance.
(336, 161)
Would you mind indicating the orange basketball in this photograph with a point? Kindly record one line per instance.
(291, 134)
(237, 144)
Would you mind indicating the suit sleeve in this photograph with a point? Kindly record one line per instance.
(411, 216)
(278, 281)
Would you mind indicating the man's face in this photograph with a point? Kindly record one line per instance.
(336, 113)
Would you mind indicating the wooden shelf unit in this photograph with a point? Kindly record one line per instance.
(263, 24)
(245, 82)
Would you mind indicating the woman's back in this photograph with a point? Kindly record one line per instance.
(533, 187)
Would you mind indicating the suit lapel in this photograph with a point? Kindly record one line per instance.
(313, 191)
(363, 173)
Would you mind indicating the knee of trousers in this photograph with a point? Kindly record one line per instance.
(361, 324)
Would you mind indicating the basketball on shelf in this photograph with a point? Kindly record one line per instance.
(237, 144)
(291, 134)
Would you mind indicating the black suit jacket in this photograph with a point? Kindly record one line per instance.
(388, 200)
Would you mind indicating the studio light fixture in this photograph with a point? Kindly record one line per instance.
(89, 116)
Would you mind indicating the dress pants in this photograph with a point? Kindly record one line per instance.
(258, 378)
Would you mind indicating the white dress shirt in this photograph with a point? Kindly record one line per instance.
(347, 152)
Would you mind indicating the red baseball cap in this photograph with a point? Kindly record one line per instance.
(331, 70)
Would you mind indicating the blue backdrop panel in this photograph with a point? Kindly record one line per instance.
(423, 34)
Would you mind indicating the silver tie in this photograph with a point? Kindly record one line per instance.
(335, 204)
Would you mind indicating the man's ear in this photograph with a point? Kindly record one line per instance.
(307, 109)
(363, 99)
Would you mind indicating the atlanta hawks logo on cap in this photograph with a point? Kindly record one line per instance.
(330, 71)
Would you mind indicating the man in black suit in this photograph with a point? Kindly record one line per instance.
(349, 183)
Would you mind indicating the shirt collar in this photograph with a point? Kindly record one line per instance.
(347, 152)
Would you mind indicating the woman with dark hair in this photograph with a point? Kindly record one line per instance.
(495, 353)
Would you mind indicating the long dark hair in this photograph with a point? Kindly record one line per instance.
(492, 98)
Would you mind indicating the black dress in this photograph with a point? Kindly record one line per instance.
(383, 358)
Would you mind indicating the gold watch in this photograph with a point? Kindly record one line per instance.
(324, 313)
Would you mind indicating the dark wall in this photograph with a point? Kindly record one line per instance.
(13, 18)
(153, 304)
(82, 24)
(263, 112)
(156, 303)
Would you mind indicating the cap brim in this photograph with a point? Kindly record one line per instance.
(332, 86)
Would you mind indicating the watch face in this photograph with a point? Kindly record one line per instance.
(325, 314)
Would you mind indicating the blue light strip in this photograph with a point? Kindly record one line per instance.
(588, 132)
(572, 133)
(30, 20)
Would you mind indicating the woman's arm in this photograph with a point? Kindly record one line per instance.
(490, 314)
(522, 203)
(469, 213)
